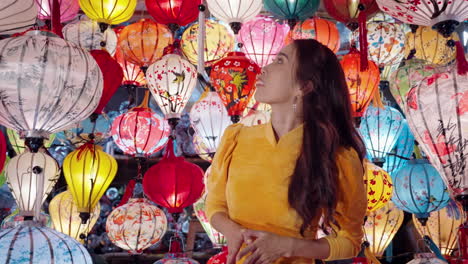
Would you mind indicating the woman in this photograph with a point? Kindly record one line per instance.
(273, 186)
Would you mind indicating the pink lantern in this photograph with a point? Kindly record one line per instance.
(68, 9)
(262, 38)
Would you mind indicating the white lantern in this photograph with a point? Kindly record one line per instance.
(235, 12)
(17, 16)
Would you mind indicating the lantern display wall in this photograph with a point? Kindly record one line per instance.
(17, 16)
(167, 12)
(111, 12)
(68, 9)
(378, 185)
(322, 30)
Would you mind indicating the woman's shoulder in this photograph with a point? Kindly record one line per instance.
(348, 157)
(244, 131)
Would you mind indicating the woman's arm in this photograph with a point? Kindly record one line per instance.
(231, 230)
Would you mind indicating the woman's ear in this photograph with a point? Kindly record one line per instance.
(307, 87)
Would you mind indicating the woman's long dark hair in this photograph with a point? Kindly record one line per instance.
(328, 125)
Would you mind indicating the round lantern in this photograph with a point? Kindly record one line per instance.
(88, 171)
(402, 151)
(419, 189)
(3, 150)
(235, 12)
(31, 177)
(110, 12)
(17, 16)
(176, 258)
(68, 9)
(216, 237)
(219, 40)
(62, 86)
(18, 144)
(171, 81)
(209, 119)
(379, 187)
(173, 13)
(136, 225)
(381, 227)
(87, 34)
(66, 217)
(262, 38)
(220, 258)
(29, 243)
(380, 129)
(234, 79)
(173, 182)
(142, 43)
(133, 75)
(292, 10)
(361, 84)
(322, 30)
(347, 12)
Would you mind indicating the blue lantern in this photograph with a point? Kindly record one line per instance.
(291, 10)
(402, 151)
(380, 129)
(419, 189)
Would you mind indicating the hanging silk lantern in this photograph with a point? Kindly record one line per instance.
(389, 70)
(216, 237)
(442, 227)
(426, 258)
(142, 43)
(136, 225)
(66, 218)
(380, 129)
(171, 81)
(31, 243)
(173, 182)
(292, 11)
(18, 144)
(219, 41)
(62, 86)
(173, 13)
(31, 176)
(112, 74)
(110, 12)
(209, 119)
(88, 171)
(262, 38)
(381, 227)
(419, 189)
(234, 79)
(68, 9)
(322, 30)
(361, 84)
(177, 258)
(220, 258)
(347, 12)
(402, 152)
(87, 34)
(17, 16)
(235, 12)
(3, 151)
(379, 187)
(133, 75)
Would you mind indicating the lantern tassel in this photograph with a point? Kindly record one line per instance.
(87, 146)
(128, 192)
(56, 24)
(363, 40)
(145, 102)
(377, 99)
(462, 64)
(169, 153)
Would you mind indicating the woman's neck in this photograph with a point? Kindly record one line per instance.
(284, 119)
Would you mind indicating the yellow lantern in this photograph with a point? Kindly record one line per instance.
(88, 171)
(379, 186)
(111, 12)
(18, 144)
(66, 218)
(381, 226)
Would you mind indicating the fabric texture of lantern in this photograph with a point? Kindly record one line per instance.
(219, 41)
(133, 75)
(361, 84)
(402, 152)
(171, 81)
(419, 189)
(167, 12)
(63, 84)
(136, 225)
(379, 187)
(88, 171)
(381, 227)
(234, 79)
(111, 12)
(292, 10)
(173, 182)
(28, 243)
(177, 258)
(17, 16)
(347, 12)
(66, 219)
(68, 9)
(426, 258)
(380, 129)
(18, 144)
(262, 38)
(322, 30)
(389, 70)
(216, 237)
(3, 151)
(220, 258)
(202, 150)
(209, 119)
(88, 35)
(235, 12)
(2, 172)
(31, 176)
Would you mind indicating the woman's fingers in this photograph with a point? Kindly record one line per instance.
(253, 258)
(243, 252)
(233, 249)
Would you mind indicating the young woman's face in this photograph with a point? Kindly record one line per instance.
(277, 84)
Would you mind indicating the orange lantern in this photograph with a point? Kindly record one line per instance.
(322, 30)
(133, 75)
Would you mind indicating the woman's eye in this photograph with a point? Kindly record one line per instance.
(279, 61)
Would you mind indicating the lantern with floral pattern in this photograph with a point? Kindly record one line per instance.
(216, 237)
(379, 186)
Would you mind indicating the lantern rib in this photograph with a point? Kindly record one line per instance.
(460, 136)
(89, 11)
(148, 135)
(12, 242)
(135, 134)
(41, 81)
(20, 184)
(122, 229)
(51, 248)
(139, 228)
(123, 12)
(96, 194)
(18, 82)
(73, 186)
(252, 13)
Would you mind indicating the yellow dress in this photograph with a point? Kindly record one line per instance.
(249, 181)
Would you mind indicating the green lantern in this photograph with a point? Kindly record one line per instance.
(292, 10)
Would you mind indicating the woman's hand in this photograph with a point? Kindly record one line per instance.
(234, 239)
(264, 247)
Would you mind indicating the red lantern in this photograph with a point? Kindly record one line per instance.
(3, 150)
(173, 13)
(220, 258)
(234, 79)
(347, 12)
(112, 75)
(173, 182)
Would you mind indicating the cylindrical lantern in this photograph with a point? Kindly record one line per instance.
(66, 217)
(136, 225)
(235, 12)
(322, 30)
(28, 243)
(68, 9)
(292, 10)
(111, 12)
(219, 40)
(17, 16)
(262, 38)
(31, 176)
(88, 171)
(18, 144)
(216, 237)
(381, 226)
(173, 13)
(234, 79)
(379, 187)
(47, 84)
(402, 151)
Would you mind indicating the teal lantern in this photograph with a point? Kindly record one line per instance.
(292, 10)
(419, 189)
(402, 151)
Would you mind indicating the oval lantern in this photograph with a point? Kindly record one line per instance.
(136, 225)
(173, 13)
(379, 187)
(3, 151)
(292, 10)
(262, 38)
(234, 79)
(110, 12)
(235, 12)
(19, 145)
(217, 239)
(402, 151)
(347, 12)
(322, 30)
(133, 75)
(68, 9)
(17, 16)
